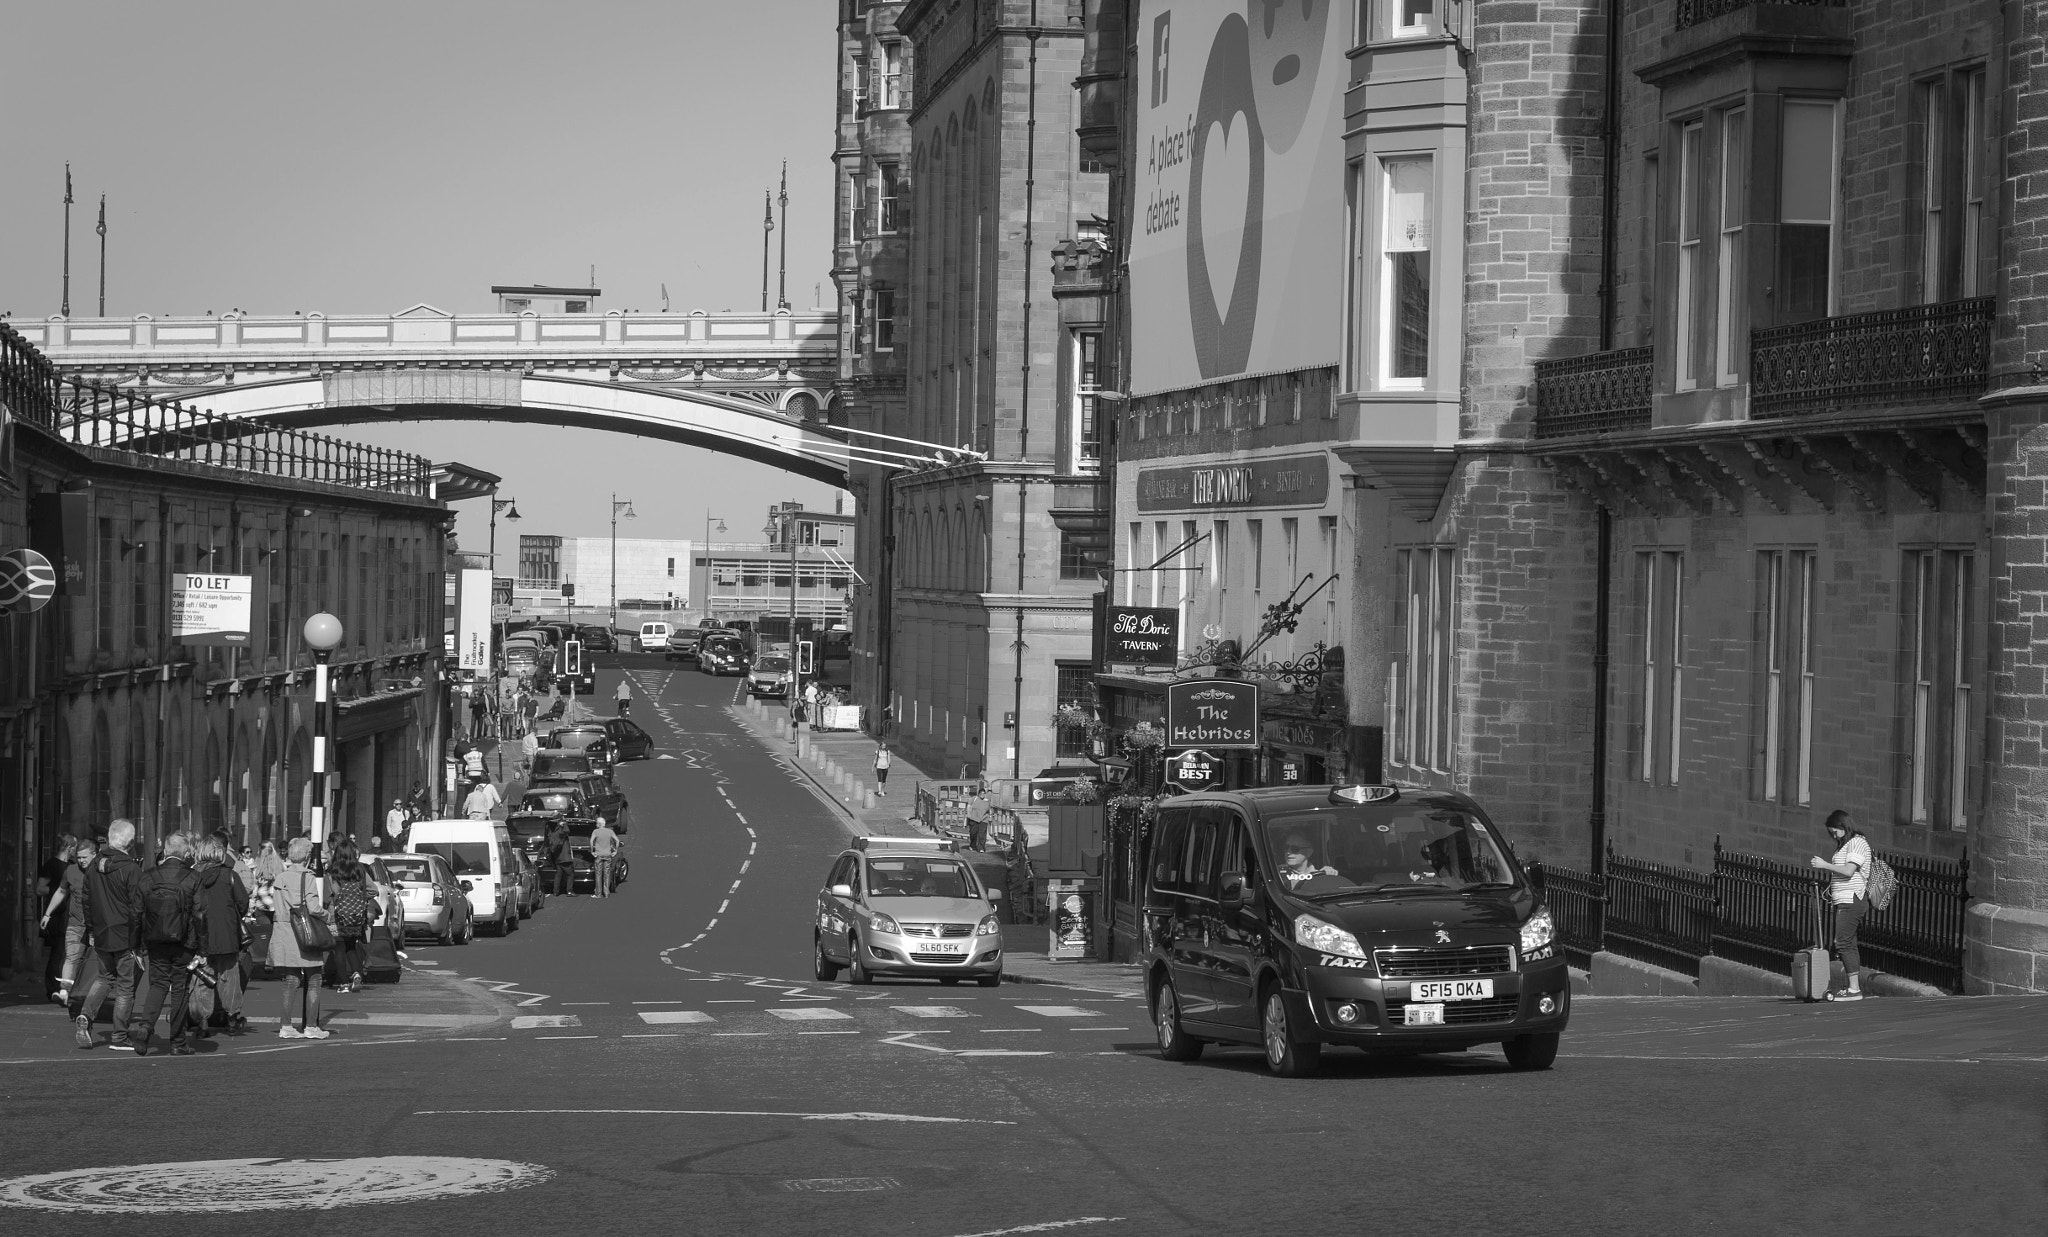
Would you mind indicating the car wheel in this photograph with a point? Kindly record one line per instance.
(825, 969)
(448, 932)
(1285, 1056)
(855, 972)
(468, 931)
(1532, 1051)
(990, 981)
(1175, 1044)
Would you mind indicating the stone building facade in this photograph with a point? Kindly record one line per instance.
(104, 714)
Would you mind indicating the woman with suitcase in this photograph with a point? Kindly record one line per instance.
(1849, 893)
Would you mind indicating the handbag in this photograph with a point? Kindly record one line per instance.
(310, 930)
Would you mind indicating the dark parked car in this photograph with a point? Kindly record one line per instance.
(586, 794)
(597, 639)
(623, 738)
(721, 655)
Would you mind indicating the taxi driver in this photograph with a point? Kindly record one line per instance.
(1297, 861)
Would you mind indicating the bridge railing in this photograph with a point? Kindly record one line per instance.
(87, 414)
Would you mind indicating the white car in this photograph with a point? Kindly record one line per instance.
(770, 676)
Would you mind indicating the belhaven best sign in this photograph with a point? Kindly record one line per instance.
(1142, 636)
(1212, 713)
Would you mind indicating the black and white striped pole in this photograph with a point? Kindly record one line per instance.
(323, 635)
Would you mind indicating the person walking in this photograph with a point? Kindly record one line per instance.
(172, 932)
(482, 800)
(477, 711)
(298, 968)
(419, 803)
(604, 849)
(113, 908)
(223, 904)
(352, 906)
(979, 809)
(395, 822)
(63, 922)
(1849, 893)
(473, 765)
(564, 855)
(882, 761)
(624, 696)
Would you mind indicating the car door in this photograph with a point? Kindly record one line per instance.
(1235, 934)
(1175, 930)
(835, 911)
(1199, 867)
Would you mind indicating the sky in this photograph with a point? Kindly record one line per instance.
(366, 157)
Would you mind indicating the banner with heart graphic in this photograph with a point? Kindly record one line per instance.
(1237, 253)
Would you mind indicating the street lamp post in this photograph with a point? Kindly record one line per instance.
(707, 559)
(323, 636)
(617, 505)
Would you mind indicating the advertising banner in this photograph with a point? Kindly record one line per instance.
(1212, 713)
(473, 619)
(1141, 635)
(1235, 261)
(208, 609)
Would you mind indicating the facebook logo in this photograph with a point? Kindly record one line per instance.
(1162, 32)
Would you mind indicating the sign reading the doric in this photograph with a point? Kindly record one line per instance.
(1212, 713)
(210, 609)
(1290, 481)
(1141, 635)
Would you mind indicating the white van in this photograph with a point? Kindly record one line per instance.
(480, 852)
(653, 637)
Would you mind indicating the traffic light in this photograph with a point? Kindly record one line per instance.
(803, 657)
(572, 657)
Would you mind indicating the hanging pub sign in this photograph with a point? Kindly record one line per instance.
(1141, 635)
(1195, 770)
(210, 609)
(1212, 713)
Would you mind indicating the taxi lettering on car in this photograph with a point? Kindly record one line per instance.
(1377, 917)
(907, 906)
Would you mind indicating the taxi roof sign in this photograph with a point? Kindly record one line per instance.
(886, 843)
(1356, 793)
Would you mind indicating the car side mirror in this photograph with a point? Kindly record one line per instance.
(842, 891)
(467, 887)
(1232, 890)
(994, 895)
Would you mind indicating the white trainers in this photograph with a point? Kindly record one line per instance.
(315, 1033)
(288, 1031)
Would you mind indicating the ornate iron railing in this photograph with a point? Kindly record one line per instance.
(1767, 911)
(1892, 356)
(1920, 935)
(87, 414)
(1598, 393)
(1693, 12)
(1657, 914)
(1578, 905)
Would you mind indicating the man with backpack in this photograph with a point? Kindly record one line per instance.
(171, 924)
(113, 916)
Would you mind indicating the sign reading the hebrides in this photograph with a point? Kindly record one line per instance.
(1240, 190)
(208, 609)
(1290, 481)
(1142, 635)
(1212, 713)
(473, 619)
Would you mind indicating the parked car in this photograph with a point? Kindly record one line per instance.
(566, 765)
(626, 740)
(533, 891)
(430, 896)
(906, 906)
(479, 852)
(1386, 918)
(598, 796)
(598, 639)
(587, 737)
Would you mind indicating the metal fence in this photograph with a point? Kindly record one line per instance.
(1891, 356)
(1597, 393)
(87, 414)
(1757, 912)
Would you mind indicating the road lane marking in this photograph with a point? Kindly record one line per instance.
(677, 1001)
(1060, 1011)
(932, 1011)
(828, 1032)
(529, 1022)
(586, 1002)
(811, 1013)
(1098, 1028)
(1046, 1227)
(1011, 1030)
(538, 1037)
(727, 1034)
(661, 1017)
(653, 1035)
(912, 1118)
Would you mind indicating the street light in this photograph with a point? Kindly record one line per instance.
(707, 559)
(323, 636)
(617, 506)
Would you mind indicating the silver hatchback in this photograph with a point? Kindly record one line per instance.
(907, 906)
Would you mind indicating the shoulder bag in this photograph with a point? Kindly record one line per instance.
(310, 930)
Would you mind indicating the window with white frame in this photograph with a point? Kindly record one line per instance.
(1691, 175)
(1136, 559)
(884, 317)
(1356, 280)
(1328, 524)
(1411, 19)
(1087, 426)
(1728, 291)
(1660, 610)
(1951, 111)
(1404, 273)
(889, 75)
(1940, 655)
(1809, 201)
(1219, 560)
(1786, 678)
(856, 207)
(1419, 672)
(885, 198)
(1255, 540)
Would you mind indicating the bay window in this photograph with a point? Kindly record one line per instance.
(1404, 272)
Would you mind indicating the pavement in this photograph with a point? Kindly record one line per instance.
(664, 1061)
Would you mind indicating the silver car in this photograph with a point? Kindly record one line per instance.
(907, 906)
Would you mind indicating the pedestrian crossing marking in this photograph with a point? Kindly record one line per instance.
(809, 1013)
(657, 1017)
(528, 1022)
(932, 1011)
(1061, 1011)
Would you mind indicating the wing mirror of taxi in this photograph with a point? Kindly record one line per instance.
(994, 895)
(842, 891)
(468, 888)
(1233, 890)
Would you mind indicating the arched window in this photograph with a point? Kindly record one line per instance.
(926, 550)
(136, 805)
(981, 549)
(101, 796)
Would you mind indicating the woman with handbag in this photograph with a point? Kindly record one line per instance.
(352, 906)
(299, 942)
(223, 901)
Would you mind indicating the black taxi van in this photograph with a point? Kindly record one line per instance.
(1380, 917)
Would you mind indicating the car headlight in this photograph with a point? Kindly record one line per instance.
(1325, 936)
(879, 922)
(989, 926)
(1539, 933)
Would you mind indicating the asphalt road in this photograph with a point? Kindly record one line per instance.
(670, 1068)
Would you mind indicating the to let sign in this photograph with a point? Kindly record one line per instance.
(1212, 713)
(1142, 635)
(209, 609)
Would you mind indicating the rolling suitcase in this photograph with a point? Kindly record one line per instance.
(1810, 974)
(380, 957)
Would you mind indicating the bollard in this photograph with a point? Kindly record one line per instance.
(867, 798)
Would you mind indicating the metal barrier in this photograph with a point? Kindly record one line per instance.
(1766, 910)
(1578, 904)
(1920, 935)
(1658, 914)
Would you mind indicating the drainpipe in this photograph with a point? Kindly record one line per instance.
(1596, 814)
(1024, 394)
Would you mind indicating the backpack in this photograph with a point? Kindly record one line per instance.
(350, 908)
(1880, 883)
(169, 916)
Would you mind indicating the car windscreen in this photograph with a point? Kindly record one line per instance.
(466, 858)
(399, 869)
(1382, 847)
(919, 878)
(772, 663)
(575, 740)
(565, 765)
(524, 827)
(548, 801)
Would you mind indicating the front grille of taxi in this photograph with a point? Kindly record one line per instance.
(949, 959)
(1463, 1013)
(938, 930)
(1438, 963)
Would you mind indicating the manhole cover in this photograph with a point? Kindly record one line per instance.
(842, 1185)
(266, 1185)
